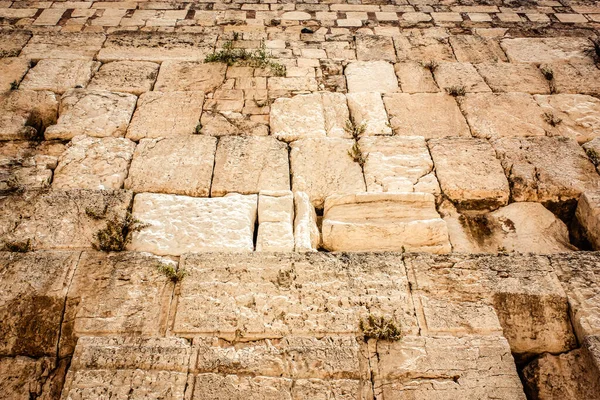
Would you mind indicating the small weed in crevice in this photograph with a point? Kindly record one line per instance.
(198, 129)
(95, 213)
(354, 130)
(592, 155)
(14, 85)
(236, 36)
(549, 75)
(380, 328)
(357, 155)
(551, 119)
(116, 234)
(430, 65)
(174, 275)
(456, 91)
(242, 57)
(18, 247)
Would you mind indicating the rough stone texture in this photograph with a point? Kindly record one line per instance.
(375, 48)
(553, 171)
(525, 293)
(398, 164)
(476, 49)
(12, 70)
(384, 222)
(425, 114)
(367, 109)
(306, 232)
(415, 78)
(576, 78)
(33, 290)
(181, 224)
(134, 77)
(180, 165)
(249, 164)
(94, 163)
(166, 114)
(11, 42)
(92, 112)
(24, 114)
(588, 216)
(491, 116)
(276, 221)
(59, 219)
(312, 115)
(24, 378)
(546, 50)
(507, 77)
(469, 173)
(183, 76)
(116, 293)
(59, 75)
(577, 116)
(359, 77)
(321, 167)
(271, 295)
(423, 46)
(231, 123)
(452, 75)
(81, 46)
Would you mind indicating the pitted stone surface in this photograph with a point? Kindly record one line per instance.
(24, 114)
(418, 46)
(23, 377)
(476, 49)
(367, 110)
(12, 70)
(375, 48)
(415, 78)
(135, 77)
(544, 50)
(182, 76)
(27, 165)
(359, 77)
(576, 78)
(59, 75)
(11, 42)
(576, 116)
(275, 219)
(507, 77)
(453, 76)
(80, 46)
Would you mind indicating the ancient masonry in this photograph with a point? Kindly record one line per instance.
(298, 200)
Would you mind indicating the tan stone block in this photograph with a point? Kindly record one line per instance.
(302, 84)
(367, 109)
(306, 232)
(166, 114)
(182, 165)
(578, 78)
(452, 75)
(27, 165)
(429, 115)
(546, 50)
(12, 42)
(588, 216)
(23, 377)
(415, 78)
(12, 70)
(359, 76)
(59, 75)
(24, 114)
(375, 48)
(423, 46)
(575, 116)
(249, 164)
(82, 46)
(275, 236)
(181, 75)
(231, 123)
(134, 77)
(92, 112)
(476, 49)
(275, 218)
(509, 77)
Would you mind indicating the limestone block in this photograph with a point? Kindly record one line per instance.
(415, 78)
(476, 49)
(178, 165)
(577, 116)
(421, 46)
(459, 75)
(276, 219)
(367, 109)
(27, 165)
(12, 41)
(24, 114)
(509, 77)
(59, 75)
(116, 293)
(184, 75)
(310, 115)
(275, 236)
(181, 224)
(157, 46)
(321, 167)
(546, 50)
(94, 163)
(398, 164)
(59, 219)
(231, 123)
(23, 378)
(384, 222)
(425, 114)
(469, 173)
(92, 112)
(576, 78)
(550, 170)
(249, 164)
(492, 116)
(230, 387)
(588, 216)
(82, 46)
(306, 232)
(473, 367)
(32, 294)
(272, 295)
(359, 77)
(293, 84)
(375, 48)
(12, 70)
(166, 114)
(134, 77)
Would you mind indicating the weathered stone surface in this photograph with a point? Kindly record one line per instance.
(181, 224)
(83, 46)
(24, 378)
(384, 222)
(92, 112)
(415, 78)
(375, 48)
(491, 116)
(551, 170)
(398, 164)
(134, 77)
(94, 163)
(576, 116)
(155, 46)
(116, 293)
(276, 219)
(576, 78)
(306, 232)
(423, 45)
(367, 109)
(469, 173)
(24, 114)
(178, 75)
(12, 70)
(588, 216)
(321, 167)
(262, 295)
(59, 219)
(425, 114)
(11, 42)
(359, 77)
(476, 49)
(59, 75)
(544, 50)
(179, 165)
(452, 75)
(231, 123)
(311, 115)
(508, 77)
(32, 295)
(166, 114)
(249, 164)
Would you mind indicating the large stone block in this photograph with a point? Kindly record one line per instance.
(183, 76)
(359, 77)
(575, 116)
(12, 70)
(375, 48)
(27, 165)
(59, 75)
(11, 42)
(384, 222)
(544, 50)
(415, 78)
(134, 77)
(588, 217)
(181, 224)
(179, 165)
(576, 78)
(25, 114)
(82, 46)
(476, 49)
(452, 76)
(249, 164)
(367, 110)
(508, 77)
(24, 378)
(276, 221)
(306, 232)
(423, 45)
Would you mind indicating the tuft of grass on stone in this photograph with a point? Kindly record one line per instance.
(116, 234)
(551, 119)
(356, 131)
(430, 65)
(549, 75)
(256, 59)
(18, 247)
(198, 129)
(380, 328)
(357, 155)
(14, 85)
(456, 91)
(168, 270)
